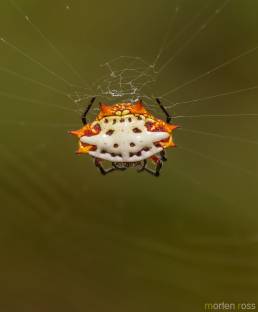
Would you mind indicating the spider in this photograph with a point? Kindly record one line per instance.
(126, 134)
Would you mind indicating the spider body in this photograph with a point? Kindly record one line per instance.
(125, 134)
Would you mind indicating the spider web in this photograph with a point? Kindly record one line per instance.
(206, 76)
(128, 78)
(125, 78)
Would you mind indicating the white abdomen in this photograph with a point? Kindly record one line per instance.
(124, 139)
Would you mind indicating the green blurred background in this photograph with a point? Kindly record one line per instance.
(73, 240)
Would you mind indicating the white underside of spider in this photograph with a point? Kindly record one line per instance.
(124, 139)
(127, 135)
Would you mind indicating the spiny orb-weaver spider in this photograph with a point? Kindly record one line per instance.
(126, 134)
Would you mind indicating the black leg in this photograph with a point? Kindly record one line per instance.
(84, 120)
(163, 155)
(168, 117)
(143, 165)
(102, 170)
(115, 166)
(155, 172)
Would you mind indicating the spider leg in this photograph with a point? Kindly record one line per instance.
(118, 168)
(158, 163)
(143, 166)
(102, 170)
(83, 117)
(168, 117)
(163, 155)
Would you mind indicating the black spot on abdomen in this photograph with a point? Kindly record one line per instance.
(110, 132)
(136, 130)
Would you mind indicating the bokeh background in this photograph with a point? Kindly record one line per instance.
(73, 240)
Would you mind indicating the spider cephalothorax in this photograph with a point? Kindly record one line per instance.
(125, 134)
